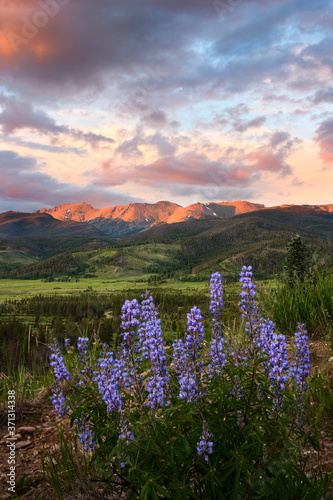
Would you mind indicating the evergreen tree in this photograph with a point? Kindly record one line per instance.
(299, 260)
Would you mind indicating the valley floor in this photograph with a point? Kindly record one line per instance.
(19, 289)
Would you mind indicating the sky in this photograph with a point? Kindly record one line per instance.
(112, 102)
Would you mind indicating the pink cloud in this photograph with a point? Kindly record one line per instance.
(235, 168)
(324, 139)
(21, 181)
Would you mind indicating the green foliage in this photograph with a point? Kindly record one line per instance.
(68, 470)
(299, 260)
(320, 401)
(257, 450)
(309, 302)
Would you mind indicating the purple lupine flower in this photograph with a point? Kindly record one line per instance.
(83, 356)
(153, 349)
(241, 356)
(237, 388)
(184, 368)
(147, 306)
(248, 306)
(109, 377)
(204, 446)
(240, 420)
(83, 347)
(58, 364)
(216, 303)
(278, 368)
(130, 349)
(300, 369)
(58, 400)
(196, 333)
(84, 432)
(217, 357)
(187, 358)
(231, 348)
(125, 436)
(129, 323)
(67, 343)
(265, 335)
(278, 363)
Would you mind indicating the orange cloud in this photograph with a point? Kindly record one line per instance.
(6, 48)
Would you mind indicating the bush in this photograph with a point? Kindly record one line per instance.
(309, 302)
(195, 420)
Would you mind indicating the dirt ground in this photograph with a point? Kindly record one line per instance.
(39, 433)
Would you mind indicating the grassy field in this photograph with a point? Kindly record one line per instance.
(18, 289)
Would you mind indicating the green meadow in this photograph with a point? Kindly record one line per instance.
(18, 289)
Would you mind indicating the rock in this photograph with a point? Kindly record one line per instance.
(22, 444)
(48, 424)
(26, 430)
(330, 360)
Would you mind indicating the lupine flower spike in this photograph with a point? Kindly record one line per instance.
(83, 347)
(216, 303)
(278, 369)
(84, 432)
(58, 364)
(129, 358)
(248, 306)
(300, 369)
(61, 373)
(153, 348)
(205, 446)
(110, 376)
(217, 356)
(58, 400)
(187, 358)
(125, 436)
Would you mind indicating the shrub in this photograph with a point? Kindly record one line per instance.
(199, 420)
(310, 302)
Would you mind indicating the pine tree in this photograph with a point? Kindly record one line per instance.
(299, 260)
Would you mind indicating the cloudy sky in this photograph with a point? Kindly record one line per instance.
(117, 101)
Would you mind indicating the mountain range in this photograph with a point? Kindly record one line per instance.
(130, 219)
(160, 238)
(81, 219)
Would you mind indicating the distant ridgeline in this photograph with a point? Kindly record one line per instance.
(188, 249)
